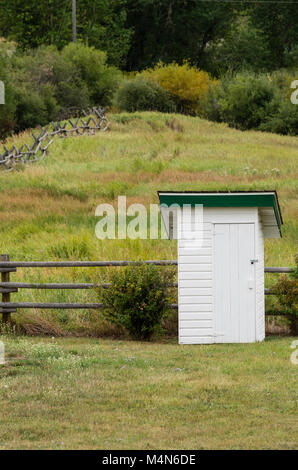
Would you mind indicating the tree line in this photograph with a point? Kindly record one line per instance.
(212, 35)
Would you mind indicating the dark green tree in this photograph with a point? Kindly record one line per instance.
(37, 22)
(279, 24)
(100, 23)
(174, 30)
(244, 47)
(138, 33)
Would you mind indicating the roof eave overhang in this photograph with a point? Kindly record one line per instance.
(224, 199)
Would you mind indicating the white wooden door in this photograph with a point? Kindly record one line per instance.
(234, 283)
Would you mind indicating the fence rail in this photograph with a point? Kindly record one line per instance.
(7, 287)
(14, 286)
(82, 264)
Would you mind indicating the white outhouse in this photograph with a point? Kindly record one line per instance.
(221, 261)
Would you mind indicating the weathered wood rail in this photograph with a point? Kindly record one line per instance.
(7, 287)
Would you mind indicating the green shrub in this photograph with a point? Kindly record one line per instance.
(247, 100)
(282, 79)
(286, 290)
(7, 110)
(138, 299)
(210, 107)
(30, 109)
(143, 95)
(48, 84)
(47, 93)
(35, 107)
(284, 121)
(90, 66)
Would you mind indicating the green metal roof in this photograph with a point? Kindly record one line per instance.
(224, 199)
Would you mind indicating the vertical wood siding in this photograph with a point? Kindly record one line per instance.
(196, 277)
(260, 283)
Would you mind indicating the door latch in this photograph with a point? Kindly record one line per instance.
(253, 261)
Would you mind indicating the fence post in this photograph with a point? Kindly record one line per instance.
(5, 277)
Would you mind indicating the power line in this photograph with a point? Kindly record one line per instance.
(250, 1)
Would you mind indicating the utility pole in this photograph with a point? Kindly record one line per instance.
(74, 20)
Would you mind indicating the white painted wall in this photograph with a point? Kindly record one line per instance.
(196, 278)
(260, 281)
(234, 283)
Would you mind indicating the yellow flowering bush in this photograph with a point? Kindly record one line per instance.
(188, 85)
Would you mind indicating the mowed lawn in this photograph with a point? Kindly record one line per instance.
(110, 394)
(47, 210)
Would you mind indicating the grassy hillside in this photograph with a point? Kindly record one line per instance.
(102, 394)
(47, 209)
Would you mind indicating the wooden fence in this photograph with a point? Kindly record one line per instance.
(95, 121)
(7, 287)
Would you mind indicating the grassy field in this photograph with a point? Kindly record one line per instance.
(71, 392)
(47, 210)
(101, 394)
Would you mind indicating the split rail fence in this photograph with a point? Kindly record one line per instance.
(94, 121)
(7, 287)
